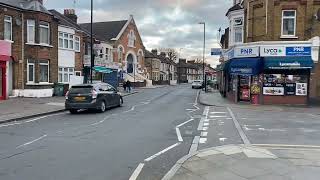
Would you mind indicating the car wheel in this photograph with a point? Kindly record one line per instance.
(102, 107)
(120, 102)
(192, 87)
(73, 111)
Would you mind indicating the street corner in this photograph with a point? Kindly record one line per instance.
(212, 99)
(251, 162)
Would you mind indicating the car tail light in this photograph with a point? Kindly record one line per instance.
(67, 95)
(94, 94)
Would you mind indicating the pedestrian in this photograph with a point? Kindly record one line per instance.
(128, 86)
(124, 86)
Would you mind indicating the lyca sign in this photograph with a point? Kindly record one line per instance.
(272, 51)
(246, 52)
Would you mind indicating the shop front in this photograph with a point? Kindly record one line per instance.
(5, 69)
(286, 80)
(242, 73)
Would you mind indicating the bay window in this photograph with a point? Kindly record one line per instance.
(31, 25)
(64, 74)
(288, 23)
(69, 41)
(238, 30)
(77, 43)
(8, 28)
(44, 32)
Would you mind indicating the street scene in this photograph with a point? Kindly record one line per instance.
(161, 90)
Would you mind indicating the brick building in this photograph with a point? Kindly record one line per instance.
(31, 31)
(271, 53)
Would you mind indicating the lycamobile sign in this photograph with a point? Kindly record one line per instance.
(272, 51)
(290, 64)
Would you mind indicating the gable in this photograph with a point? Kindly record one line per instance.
(125, 32)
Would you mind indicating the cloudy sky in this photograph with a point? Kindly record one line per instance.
(162, 23)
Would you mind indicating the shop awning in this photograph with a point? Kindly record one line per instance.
(102, 69)
(225, 66)
(301, 62)
(246, 66)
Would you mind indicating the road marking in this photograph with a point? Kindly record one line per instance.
(222, 139)
(218, 116)
(97, 123)
(185, 123)
(136, 172)
(161, 152)
(33, 141)
(217, 112)
(205, 124)
(204, 134)
(205, 128)
(194, 145)
(203, 140)
(32, 120)
(240, 130)
(179, 135)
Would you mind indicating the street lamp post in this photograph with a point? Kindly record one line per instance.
(204, 51)
(91, 45)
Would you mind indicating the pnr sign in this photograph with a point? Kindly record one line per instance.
(247, 52)
(298, 51)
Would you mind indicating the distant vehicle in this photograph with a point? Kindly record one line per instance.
(197, 84)
(99, 96)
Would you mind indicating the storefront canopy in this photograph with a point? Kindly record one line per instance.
(102, 69)
(298, 62)
(246, 66)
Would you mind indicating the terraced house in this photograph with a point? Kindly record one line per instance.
(29, 53)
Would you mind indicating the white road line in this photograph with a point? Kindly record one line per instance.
(222, 139)
(218, 116)
(32, 120)
(194, 145)
(136, 172)
(240, 130)
(161, 152)
(28, 143)
(218, 112)
(184, 123)
(179, 135)
(97, 123)
(202, 140)
(204, 134)
(205, 128)
(205, 124)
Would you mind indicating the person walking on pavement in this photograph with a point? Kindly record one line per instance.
(124, 86)
(128, 85)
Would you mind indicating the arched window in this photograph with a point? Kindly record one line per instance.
(140, 56)
(120, 54)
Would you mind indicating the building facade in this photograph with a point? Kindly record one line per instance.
(272, 53)
(31, 30)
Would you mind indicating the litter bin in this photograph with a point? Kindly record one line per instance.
(59, 89)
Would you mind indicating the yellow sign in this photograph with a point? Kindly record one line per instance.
(255, 89)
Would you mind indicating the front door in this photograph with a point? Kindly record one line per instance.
(130, 64)
(2, 80)
(244, 88)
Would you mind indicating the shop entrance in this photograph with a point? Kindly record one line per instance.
(244, 88)
(2, 80)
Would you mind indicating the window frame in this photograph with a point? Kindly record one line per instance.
(77, 41)
(68, 73)
(41, 25)
(288, 17)
(239, 27)
(4, 32)
(28, 72)
(48, 66)
(34, 31)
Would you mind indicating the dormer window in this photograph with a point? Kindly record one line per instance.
(131, 39)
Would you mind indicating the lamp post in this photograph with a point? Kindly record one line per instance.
(204, 51)
(91, 45)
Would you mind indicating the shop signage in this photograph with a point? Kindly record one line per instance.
(216, 51)
(298, 51)
(290, 89)
(241, 70)
(301, 89)
(272, 51)
(289, 64)
(273, 91)
(255, 89)
(246, 52)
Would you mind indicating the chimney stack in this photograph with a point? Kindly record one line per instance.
(71, 14)
(163, 54)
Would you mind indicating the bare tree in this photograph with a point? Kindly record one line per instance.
(171, 53)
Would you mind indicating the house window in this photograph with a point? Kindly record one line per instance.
(238, 30)
(77, 43)
(31, 24)
(44, 31)
(65, 40)
(107, 53)
(44, 72)
(8, 28)
(30, 71)
(60, 40)
(120, 54)
(78, 73)
(131, 39)
(71, 41)
(65, 73)
(288, 23)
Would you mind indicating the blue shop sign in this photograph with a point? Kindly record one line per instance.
(298, 51)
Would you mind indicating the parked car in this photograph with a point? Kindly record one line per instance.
(197, 84)
(99, 96)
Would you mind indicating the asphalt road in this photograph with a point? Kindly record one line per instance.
(106, 146)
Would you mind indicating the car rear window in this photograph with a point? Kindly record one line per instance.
(80, 89)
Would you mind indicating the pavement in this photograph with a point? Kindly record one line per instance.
(15, 109)
(239, 162)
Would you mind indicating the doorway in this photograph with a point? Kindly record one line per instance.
(130, 64)
(244, 88)
(2, 80)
